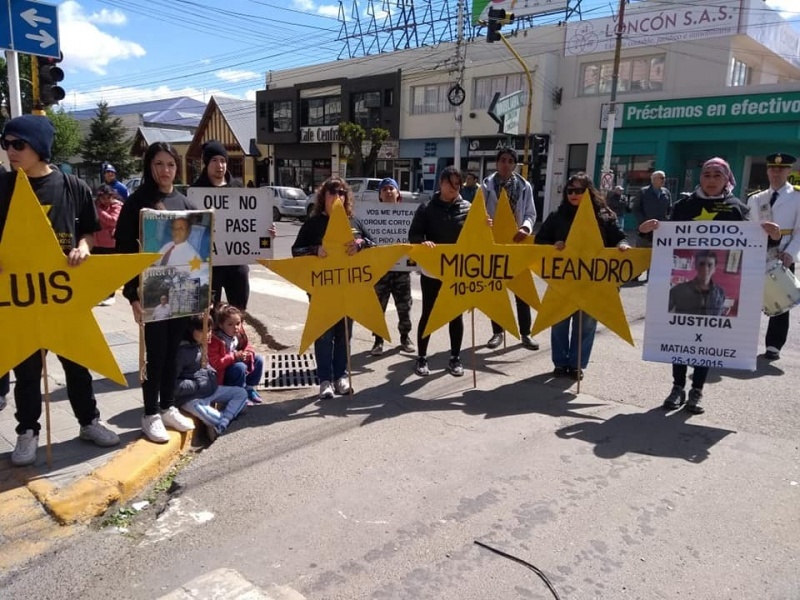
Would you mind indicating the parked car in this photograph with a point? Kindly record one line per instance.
(364, 188)
(289, 202)
(132, 183)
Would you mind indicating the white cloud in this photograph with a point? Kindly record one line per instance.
(116, 95)
(108, 17)
(85, 46)
(328, 10)
(236, 76)
(306, 5)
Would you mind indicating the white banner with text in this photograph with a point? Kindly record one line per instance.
(388, 224)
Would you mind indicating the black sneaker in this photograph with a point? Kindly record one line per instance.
(675, 399)
(454, 366)
(772, 355)
(529, 343)
(406, 345)
(495, 341)
(576, 374)
(693, 403)
(561, 372)
(421, 368)
(377, 348)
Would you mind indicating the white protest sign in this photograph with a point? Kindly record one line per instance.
(705, 294)
(242, 220)
(388, 224)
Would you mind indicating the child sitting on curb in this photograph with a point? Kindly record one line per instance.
(231, 354)
(197, 390)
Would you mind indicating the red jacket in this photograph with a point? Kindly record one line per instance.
(220, 358)
(108, 216)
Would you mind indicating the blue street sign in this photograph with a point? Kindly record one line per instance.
(33, 28)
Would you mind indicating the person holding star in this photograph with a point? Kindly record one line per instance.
(332, 348)
(565, 345)
(712, 200)
(29, 141)
(161, 338)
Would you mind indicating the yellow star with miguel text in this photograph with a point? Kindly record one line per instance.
(340, 285)
(504, 228)
(586, 276)
(45, 302)
(475, 272)
(706, 215)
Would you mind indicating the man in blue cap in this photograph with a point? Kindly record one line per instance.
(780, 204)
(394, 283)
(110, 177)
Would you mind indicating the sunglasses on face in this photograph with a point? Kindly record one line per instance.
(18, 145)
(575, 191)
(337, 192)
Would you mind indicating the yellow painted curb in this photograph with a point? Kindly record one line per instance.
(128, 473)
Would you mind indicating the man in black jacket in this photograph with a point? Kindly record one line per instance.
(439, 221)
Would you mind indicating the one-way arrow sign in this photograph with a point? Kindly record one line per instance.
(29, 27)
(505, 111)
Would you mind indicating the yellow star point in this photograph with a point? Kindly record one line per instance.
(706, 215)
(586, 276)
(340, 285)
(195, 263)
(44, 302)
(475, 272)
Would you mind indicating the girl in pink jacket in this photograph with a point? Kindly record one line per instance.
(108, 205)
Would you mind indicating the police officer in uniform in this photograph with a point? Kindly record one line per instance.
(779, 204)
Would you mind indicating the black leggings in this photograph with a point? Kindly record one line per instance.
(430, 291)
(699, 376)
(235, 280)
(161, 340)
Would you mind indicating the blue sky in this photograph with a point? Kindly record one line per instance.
(131, 50)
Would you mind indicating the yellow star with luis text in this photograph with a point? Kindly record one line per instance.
(46, 303)
(586, 276)
(504, 228)
(475, 272)
(706, 215)
(340, 285)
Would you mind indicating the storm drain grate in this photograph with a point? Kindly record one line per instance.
(288, 371)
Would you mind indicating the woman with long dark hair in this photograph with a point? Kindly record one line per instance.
(161, 338)
(564, 344)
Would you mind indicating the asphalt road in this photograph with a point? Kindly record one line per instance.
(383, 494)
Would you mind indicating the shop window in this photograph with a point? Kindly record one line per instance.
(320, 111)
(486, 87)
(388, 98)
(236, 167)
(633, 171)
(367, 109)
(577, 155)
(738, 73)
(642, 74)
(430, 99)
(280, 117)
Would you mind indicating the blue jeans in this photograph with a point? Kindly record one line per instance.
(564, 345)
(331, 351)
(5, 385)
(233, 399)
(236, 375)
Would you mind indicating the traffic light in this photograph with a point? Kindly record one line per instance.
(497, 18)
(50, 74)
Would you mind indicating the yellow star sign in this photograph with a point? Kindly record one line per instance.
(475, 272)
(46, 303)
(706, 215)
(340, 285)
(504, 228)
(586, 276)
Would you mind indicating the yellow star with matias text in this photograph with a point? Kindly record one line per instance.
(340, 285)
(475, 272)
(586, 276)
(706, 215)
(44, 302)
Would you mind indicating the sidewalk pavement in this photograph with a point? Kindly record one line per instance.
(84, 479)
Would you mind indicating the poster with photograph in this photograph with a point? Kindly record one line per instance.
(177, 284)
(388, 224)
(705, 294)
(242, 218)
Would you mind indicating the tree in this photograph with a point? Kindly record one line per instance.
(67, 140)
(358, 141)
(26, 93)
(108, 141)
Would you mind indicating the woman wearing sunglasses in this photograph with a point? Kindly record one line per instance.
(331, 348)
(565, 343)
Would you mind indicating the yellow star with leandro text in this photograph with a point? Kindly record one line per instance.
(586, 276)
(504, 228)
(46, 303)
(706, 215)
(340, 285)
(475, 272)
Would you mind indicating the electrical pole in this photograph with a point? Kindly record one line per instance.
(607, 176)
(14, 95)
(460, 59)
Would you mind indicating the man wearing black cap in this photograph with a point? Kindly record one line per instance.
(110, 177)
(234, 279)
(520, 195)
(29, 141)
(779, 204)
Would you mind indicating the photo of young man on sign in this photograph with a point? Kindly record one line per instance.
(705, 282)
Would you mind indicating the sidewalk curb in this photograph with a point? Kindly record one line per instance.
(128, 473)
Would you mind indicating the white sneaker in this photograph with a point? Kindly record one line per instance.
(25, 451)
(325, 390)
(342, 387)
(98, 433)
(2, 402)
(108, 301)
(153, 429)
(173, 419)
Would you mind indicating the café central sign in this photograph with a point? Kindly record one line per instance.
(322, 134)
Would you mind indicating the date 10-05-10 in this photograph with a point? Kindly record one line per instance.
(476, 287)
